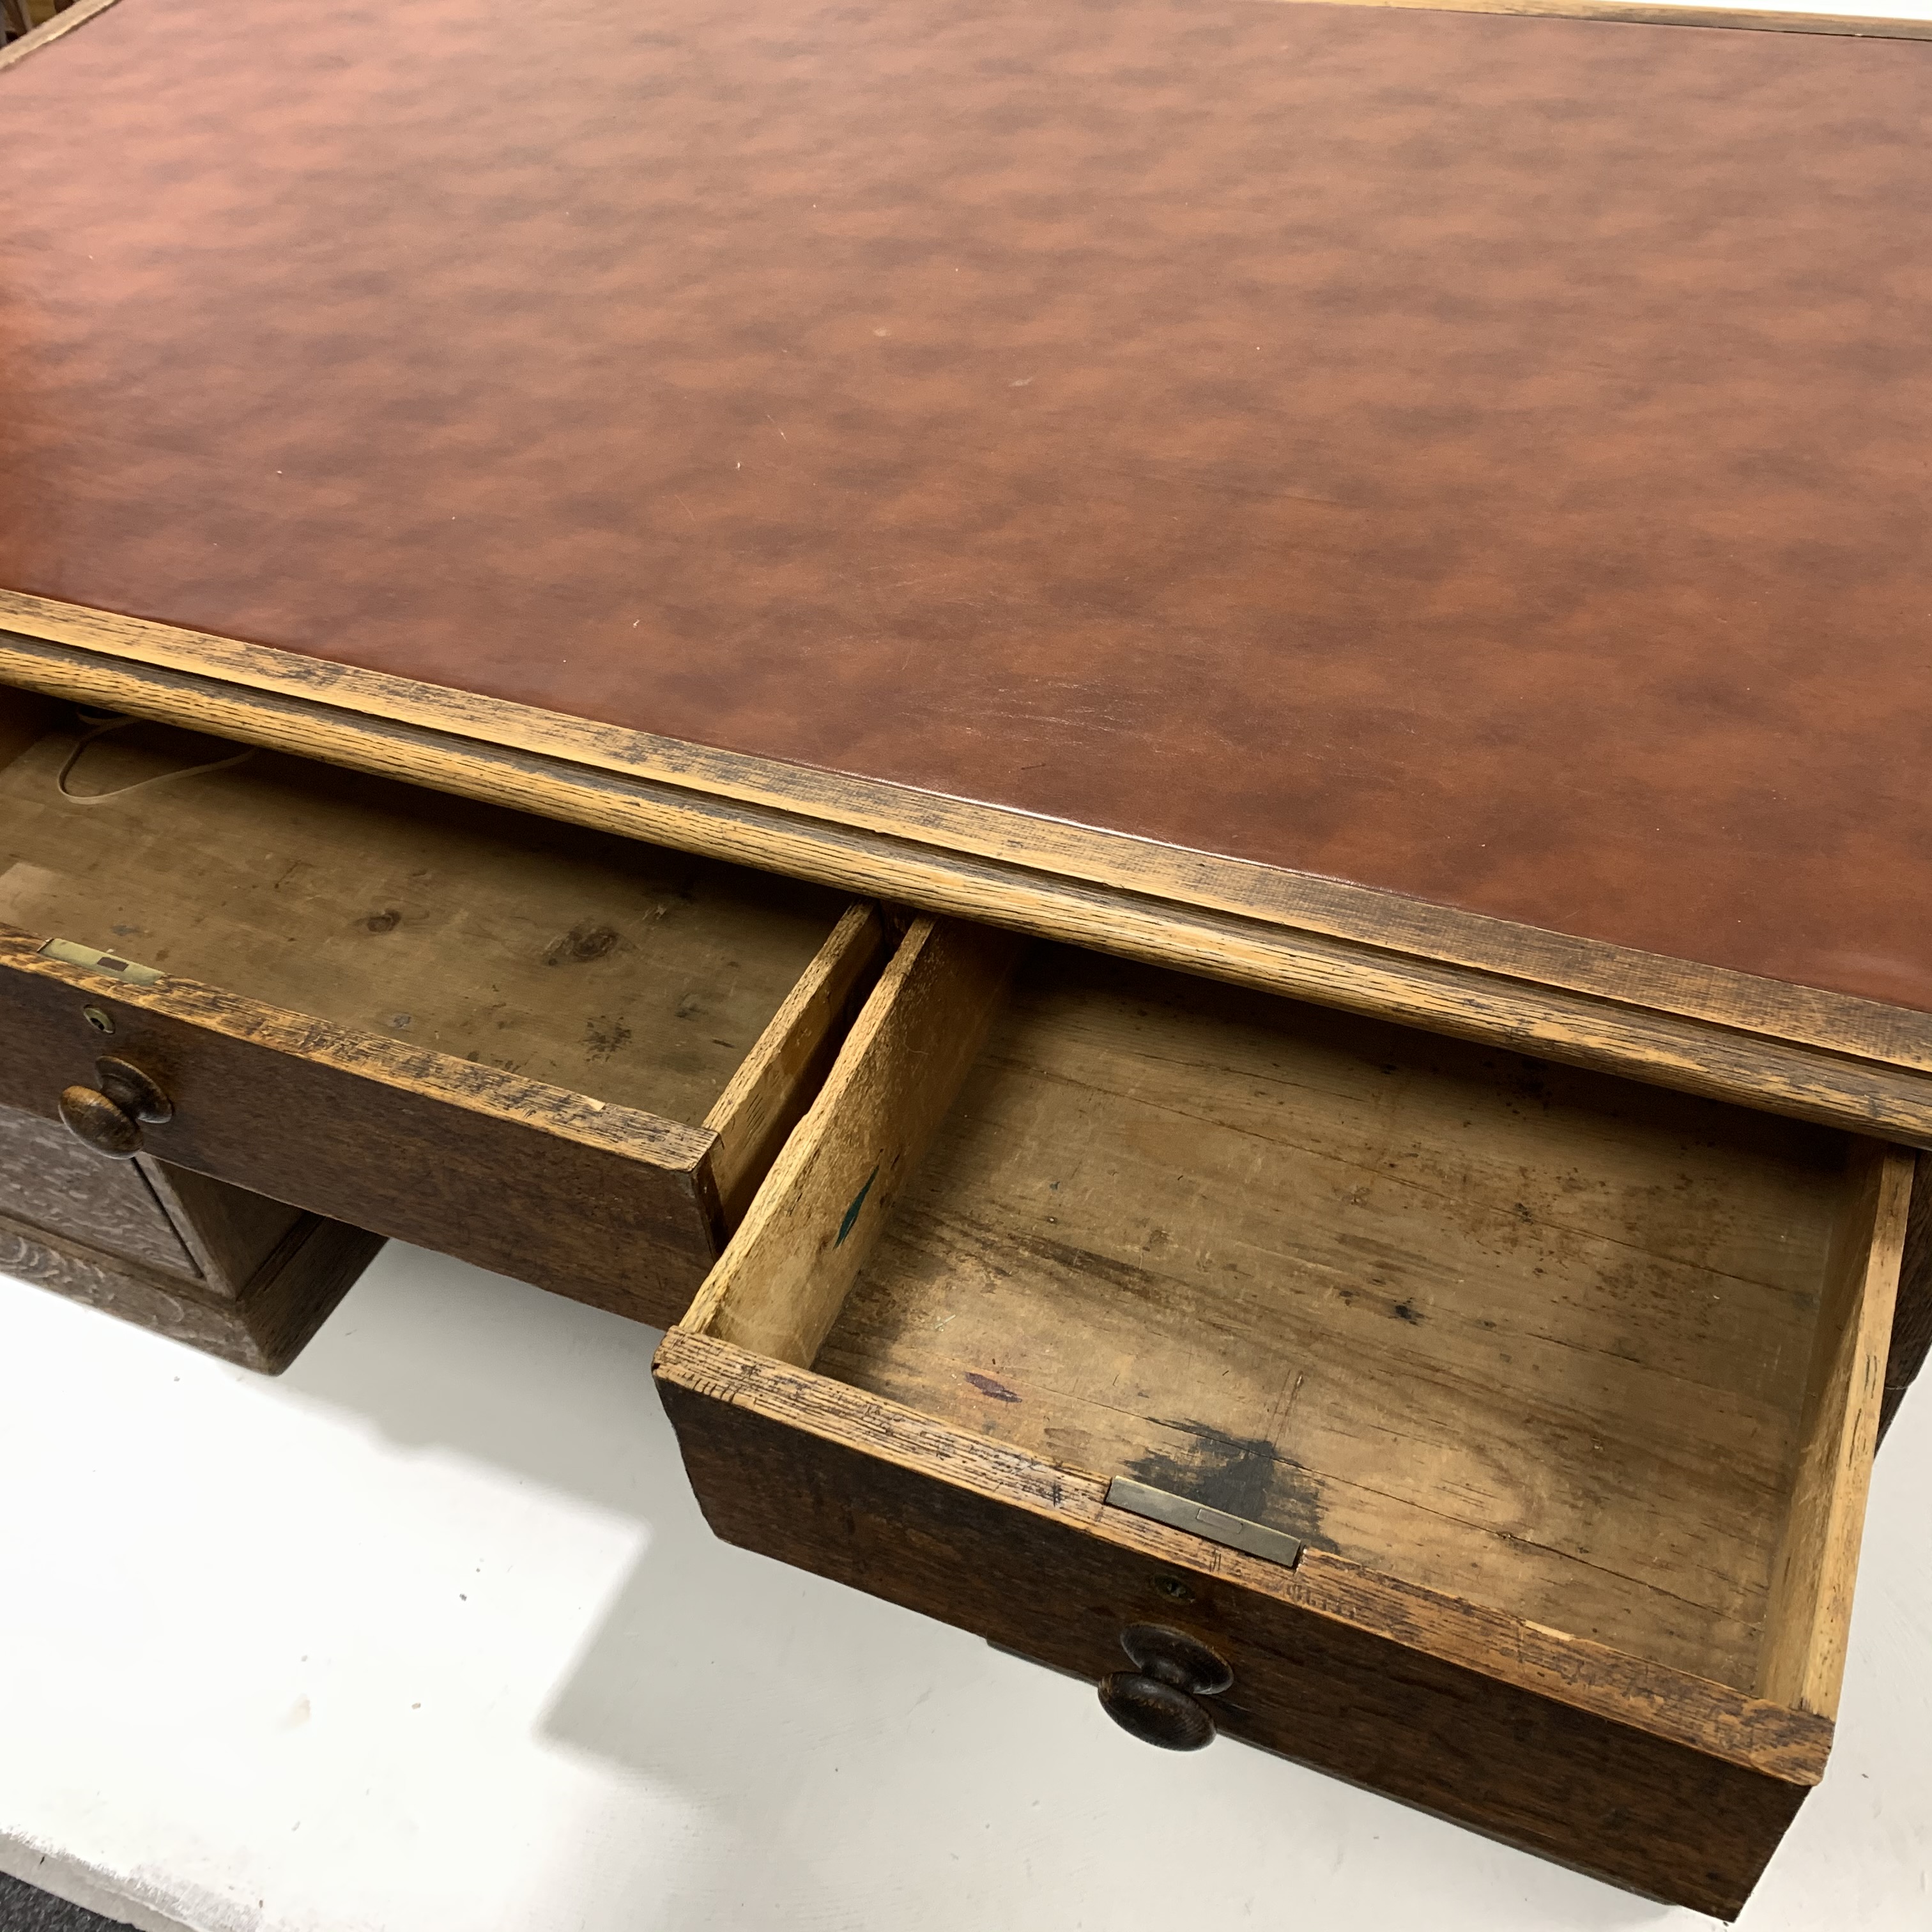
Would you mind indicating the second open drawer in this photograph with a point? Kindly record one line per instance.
(1500, 1431)
(566, 1056)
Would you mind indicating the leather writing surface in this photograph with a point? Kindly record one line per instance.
(1483, 458)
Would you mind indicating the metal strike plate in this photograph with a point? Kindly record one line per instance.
(71, 952)
(1212, 1526)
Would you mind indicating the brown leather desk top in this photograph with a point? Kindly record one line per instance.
(1485, 459)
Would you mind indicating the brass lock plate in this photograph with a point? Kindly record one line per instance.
(1214, 1525)
(71, 952)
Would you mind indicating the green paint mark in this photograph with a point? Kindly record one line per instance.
(852, 1212)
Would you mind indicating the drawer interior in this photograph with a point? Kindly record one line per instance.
(1568, 1347)
(624, 972)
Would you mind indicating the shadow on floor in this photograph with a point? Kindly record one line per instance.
(794, 1712)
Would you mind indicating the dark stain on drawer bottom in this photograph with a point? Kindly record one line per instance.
(1246, 1475)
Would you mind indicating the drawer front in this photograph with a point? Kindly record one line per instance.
(214, 1239)
(604, 1203)
(831, 1415)
(1329, 1667)
(51, 1183)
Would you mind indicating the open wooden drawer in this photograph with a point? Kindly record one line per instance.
(1491, 1433)
(564, 1055)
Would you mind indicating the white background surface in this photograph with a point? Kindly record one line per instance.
(428, 1635)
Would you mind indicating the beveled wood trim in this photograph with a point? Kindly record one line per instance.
(1787, 1049)
(1713, 1718)
(1637, 13)
(1333, 908)
(48, 32)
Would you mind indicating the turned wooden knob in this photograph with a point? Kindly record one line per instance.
(1155, 1701)
(108, 1118)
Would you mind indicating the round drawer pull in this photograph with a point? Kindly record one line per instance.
(109, 1119)
(1156, 1700)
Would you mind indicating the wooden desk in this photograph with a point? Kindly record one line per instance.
(1420, 511)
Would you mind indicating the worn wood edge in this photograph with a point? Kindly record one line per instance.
(779, 1285)
(1912, 1314)
(738, 1115)
(1807, 1626)
(48, 32)
(466, 1085)
(1866, 1093)
(1295, 902)
(800, 1152)
(1753, 1732)
(1635, 12)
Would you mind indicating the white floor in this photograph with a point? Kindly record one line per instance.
(428, 1635)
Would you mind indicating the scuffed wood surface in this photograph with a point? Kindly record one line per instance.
(1528, 1336)
(779, 1285)
(769, 1092)
(641, 977)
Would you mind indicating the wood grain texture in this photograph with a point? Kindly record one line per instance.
(618, 970)
(212, 1239)
(48, 1180)
(468, 957)
(230, 1233)
(264, 1329)
(780, 1283)
(607, 1204)
(1810, 1616)
(1664, 1783)
(1912, 1319)
(1249, 557)
(1535, 1339)
(1569, 1387)
(1850, 1064)
(778, 1080)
